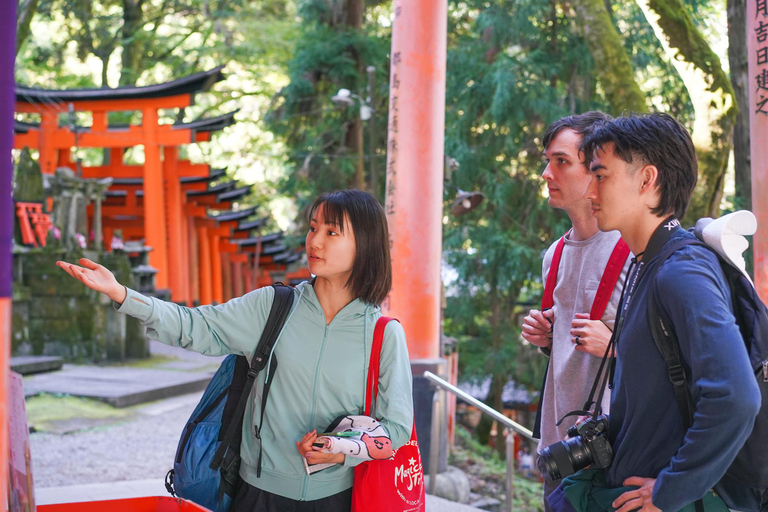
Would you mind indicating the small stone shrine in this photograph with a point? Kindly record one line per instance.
(54, 314)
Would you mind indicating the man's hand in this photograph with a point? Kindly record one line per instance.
(590, 336)
(537, 327)
(313, 453)
(637, 499)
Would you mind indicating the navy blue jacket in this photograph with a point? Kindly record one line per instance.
(646, 428)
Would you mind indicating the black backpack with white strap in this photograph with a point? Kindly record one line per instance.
(746, 481)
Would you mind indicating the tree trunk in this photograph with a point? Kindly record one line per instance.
(613, 68)
(133, 16)
(678, 26)
(27, 10)
(737, 56)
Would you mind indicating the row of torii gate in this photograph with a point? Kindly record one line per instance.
(200, 257)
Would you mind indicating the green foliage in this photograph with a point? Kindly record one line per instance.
(510, 70)
(329, 56)
(487, 473)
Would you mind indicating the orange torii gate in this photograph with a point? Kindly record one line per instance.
(204, 246)
(163, 200)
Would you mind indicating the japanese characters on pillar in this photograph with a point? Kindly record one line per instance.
(415, 156)
(757, 50)
(393, 122)
(391, 184)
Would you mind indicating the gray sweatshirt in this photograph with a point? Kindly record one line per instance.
(571, 373)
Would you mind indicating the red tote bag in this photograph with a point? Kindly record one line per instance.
(396, 484)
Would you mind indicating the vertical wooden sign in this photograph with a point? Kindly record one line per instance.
(415, 160)
(757, 54)
(21, 493)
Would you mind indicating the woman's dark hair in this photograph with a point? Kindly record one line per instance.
(371, 277)
(657, 139)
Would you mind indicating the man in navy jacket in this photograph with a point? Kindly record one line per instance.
(643, 172)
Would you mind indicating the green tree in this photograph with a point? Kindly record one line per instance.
(325, 141)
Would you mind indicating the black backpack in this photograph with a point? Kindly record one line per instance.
(745, 485)
(207, 463)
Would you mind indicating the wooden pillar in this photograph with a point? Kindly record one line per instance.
(154, 200)
(226, 277)
(218, 289)
(248, 277)
(237, 278)
(174, 206)
(48, 126)
(194, 259)
(64, 158)
(757, 57)
(414, 197)
(188, 256)
(206, 283)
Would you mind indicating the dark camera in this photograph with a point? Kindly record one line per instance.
(588, 445)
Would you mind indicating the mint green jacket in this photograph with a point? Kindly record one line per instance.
(321, 375)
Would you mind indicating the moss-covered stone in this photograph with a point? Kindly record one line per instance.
(136, 341)
(29, 180)
(63, 317)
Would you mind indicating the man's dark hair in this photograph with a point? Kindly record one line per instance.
(656, 139)
(371, 277)
(582, 124)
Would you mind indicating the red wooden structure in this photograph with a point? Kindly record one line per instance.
(168, 202)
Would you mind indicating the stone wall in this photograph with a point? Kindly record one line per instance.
(54, 314)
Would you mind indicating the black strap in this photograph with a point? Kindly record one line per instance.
(265, 393)
(668, 346)
(169, 483)
(666, 342)
(281, 306)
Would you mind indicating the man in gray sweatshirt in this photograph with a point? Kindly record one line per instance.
(574, 343)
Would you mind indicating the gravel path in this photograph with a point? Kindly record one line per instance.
(136, 449)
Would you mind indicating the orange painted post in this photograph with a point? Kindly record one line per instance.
(206, 284)
(216, 277)
(154, 200)
(64, 158)
(194, 259)
(186, 257)
(237, 276)
(757, 53)
(414, 197)
(48, 126)
(176, 271)
(226, 277)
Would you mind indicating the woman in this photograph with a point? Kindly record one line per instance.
(323, 351)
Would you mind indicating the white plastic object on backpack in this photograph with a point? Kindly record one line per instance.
(726, 235)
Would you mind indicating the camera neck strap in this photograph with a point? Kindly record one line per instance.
(666, 230)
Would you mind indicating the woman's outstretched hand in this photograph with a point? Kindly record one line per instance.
(95, 277)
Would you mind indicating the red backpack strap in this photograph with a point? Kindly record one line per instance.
(547, 301)
(610, 278)
(372, 387)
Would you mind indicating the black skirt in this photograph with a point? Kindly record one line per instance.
(252, 499)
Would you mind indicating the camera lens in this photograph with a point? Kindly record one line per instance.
(564, 458)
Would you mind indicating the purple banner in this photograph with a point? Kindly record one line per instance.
(7, 105)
